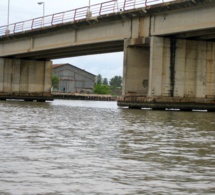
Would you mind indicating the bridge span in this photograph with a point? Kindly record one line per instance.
(169, 50)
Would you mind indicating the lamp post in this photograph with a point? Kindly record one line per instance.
(89, 13)
(8, 18)
(89, 6)
(42, 3)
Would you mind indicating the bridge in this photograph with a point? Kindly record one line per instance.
(169, 51)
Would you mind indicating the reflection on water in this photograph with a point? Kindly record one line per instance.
(84, 147)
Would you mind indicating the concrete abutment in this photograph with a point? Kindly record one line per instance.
(25, 79)
(169, 74)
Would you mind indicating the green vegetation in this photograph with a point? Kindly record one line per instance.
(101, 89)
(105, 81)
(55, 81)
(116, 82)
(104, 87)
(99, 79)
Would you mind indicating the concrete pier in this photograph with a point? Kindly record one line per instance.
(181, 75)
(25, 79)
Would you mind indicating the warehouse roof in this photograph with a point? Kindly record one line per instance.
(66, 64)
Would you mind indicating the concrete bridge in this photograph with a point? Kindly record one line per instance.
(169, 51)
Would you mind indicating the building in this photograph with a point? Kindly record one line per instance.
(73, 79)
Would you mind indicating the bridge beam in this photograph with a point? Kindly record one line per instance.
(181, 75)
(25, 79)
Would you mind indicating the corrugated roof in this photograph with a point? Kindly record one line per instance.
(58, 65)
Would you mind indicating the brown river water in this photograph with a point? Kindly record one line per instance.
(96, 148)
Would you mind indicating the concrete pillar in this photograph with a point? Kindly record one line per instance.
(136, 68)
(181, 75)
(190, 75)
(1, 74)
(25, 79)
(16, 76)
(180, 68)
(47, 76)
(210, 92)
(201, 70)
(156, 66)
(190, 68)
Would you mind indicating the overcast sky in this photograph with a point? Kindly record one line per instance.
(108, 65)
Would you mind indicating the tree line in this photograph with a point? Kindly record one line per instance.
(103, 86)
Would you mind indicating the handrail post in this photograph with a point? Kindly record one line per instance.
(124, 5)
(100, 9)
(89, 13)
(32, 24)
(14, 28)
(52, 19)
(75, 14)
(23, 25)
(63, 17)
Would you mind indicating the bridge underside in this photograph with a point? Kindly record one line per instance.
(73, 51)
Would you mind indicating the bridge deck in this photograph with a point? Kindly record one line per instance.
(103, 12)
(55, 36)
(76, 16)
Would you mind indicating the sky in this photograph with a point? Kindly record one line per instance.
(108, 65)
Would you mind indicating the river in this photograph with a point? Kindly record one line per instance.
(95, 148)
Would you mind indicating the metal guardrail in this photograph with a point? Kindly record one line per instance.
(108, 7)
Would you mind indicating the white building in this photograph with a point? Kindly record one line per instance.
(73, 79)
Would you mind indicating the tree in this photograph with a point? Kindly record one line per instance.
(116, 82)
(101, 86)
(55, 81)
(99, 79)
(101, 89)
(105, 81)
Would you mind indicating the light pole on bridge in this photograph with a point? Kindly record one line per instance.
(8, 19)
(89, 13)
(42, 3)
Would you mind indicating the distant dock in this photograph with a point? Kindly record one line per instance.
(80, 96)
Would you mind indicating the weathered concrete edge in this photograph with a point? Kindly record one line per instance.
(167, 103)
(75, 96)
(27, 97)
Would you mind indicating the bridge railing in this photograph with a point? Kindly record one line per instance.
(78, 14)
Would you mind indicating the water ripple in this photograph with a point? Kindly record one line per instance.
(80, 147)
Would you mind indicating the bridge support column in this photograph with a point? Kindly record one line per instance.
(136, 68)
(25, 79)
(181, 76)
